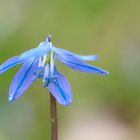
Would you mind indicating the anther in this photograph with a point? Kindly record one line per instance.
(48, 38)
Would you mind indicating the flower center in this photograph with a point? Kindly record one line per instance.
(45, 68)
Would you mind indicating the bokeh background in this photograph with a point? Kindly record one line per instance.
(104, 107)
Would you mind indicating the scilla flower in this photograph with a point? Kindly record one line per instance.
(40, 63)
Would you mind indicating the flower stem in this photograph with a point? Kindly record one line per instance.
(53, 117)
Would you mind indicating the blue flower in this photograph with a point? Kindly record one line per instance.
(40, 63)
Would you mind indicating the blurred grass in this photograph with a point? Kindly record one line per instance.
(107, 28)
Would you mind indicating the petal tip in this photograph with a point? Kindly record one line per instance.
(1, 70)
(11, 99)
(106, 72)
(96, 56)
(68, 102)
(65, 103)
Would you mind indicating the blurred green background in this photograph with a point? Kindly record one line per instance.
(104, 107)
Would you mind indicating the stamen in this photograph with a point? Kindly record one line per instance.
(52, 63)
(40, 62)
(41, 68)
(44, 60)
(39, 73)
(48, 39)
(48, 78)
(46, 72)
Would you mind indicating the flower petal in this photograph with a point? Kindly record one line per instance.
(61, 89)
(82, 57)
(75, 63)
(23, 79)
(10, 63)
(42, 49)
(87, 57)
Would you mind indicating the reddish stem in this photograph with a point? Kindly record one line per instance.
(53, 118)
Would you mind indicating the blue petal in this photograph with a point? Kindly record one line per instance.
(10, 63)
(88, 57)
(60, 89)
(42, 49)
(75, 63)
(82, 57)
(23, 79)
